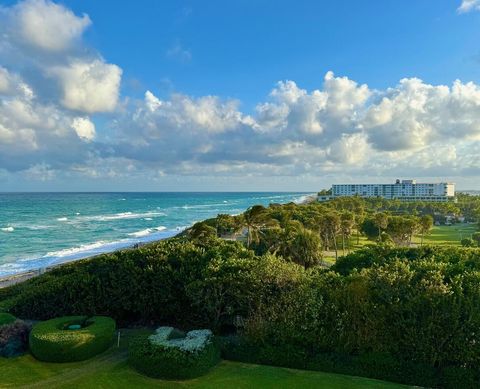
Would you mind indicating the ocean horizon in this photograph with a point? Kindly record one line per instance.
(41, 229)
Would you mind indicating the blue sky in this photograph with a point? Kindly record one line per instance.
(215, 95)
(241, 49)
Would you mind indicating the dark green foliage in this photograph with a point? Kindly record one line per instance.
(459, 377)
(52, 341)
(457, 259)
(6, 318)
(467, 242)
(369, 229)
(172, 363)
(171, 281)
(374, 365)
(14, 338)
(383, 311)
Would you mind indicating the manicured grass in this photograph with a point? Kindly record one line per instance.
(110, 370)
(439, 235)
(448, 235)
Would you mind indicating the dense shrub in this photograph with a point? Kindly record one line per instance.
(6, 318)
(52, 341)
(172, 355)
(459, 377)
(171, 281)
(418, 306)
(14, 338)
(374, 365)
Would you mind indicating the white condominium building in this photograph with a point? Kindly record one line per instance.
(406, 190)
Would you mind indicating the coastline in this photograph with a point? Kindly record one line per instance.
(15, 278)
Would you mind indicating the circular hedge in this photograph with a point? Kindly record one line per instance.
(52, 341)
(6, 318)
(170, 354)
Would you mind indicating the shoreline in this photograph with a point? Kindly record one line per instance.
(15, 278)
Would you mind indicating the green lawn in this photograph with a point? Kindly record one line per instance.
(439, 235)
(449, 235)
(110, 370)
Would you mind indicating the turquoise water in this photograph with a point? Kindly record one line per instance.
(42, 229)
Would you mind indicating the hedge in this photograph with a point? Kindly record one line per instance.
(170, 354)
(52, 341)
(381, 366)
(6, 318)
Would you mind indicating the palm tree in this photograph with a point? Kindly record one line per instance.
(255, 218)
(306, 248)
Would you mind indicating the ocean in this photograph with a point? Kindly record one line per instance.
(43, 229)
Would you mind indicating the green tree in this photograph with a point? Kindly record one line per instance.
(369, 228)
(425, 225)
(401, 229)
(202, 232)
(226, 224)
(381, 221)
(467, 242)
(255, 218)
(305, 247)
(476, 238)
(347, 222)
(330, 223)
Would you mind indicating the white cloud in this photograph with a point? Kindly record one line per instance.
(342, 127)
(53, 89)
(89, 86)
(4, 80)
(181, 112)
(84, 128)
(40, 172)
(414, 114)
(46, 25)
(469, 5)
(349, 149)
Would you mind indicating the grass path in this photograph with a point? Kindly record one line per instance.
(110, 370)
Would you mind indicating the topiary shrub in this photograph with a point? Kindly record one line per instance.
(171, 354)
(59, 340)
(14, 338)
(6, 318)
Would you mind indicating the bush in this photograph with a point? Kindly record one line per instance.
(52, 341)
(14, 338)
(172, 355)
(6, 318)
(458, 377)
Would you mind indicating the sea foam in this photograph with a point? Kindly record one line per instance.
(122, 216)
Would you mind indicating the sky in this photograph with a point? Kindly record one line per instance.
(251, 95)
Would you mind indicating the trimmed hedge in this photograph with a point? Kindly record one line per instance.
(51, 341)
(169, 355)
(6, 318)
(381, 366)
